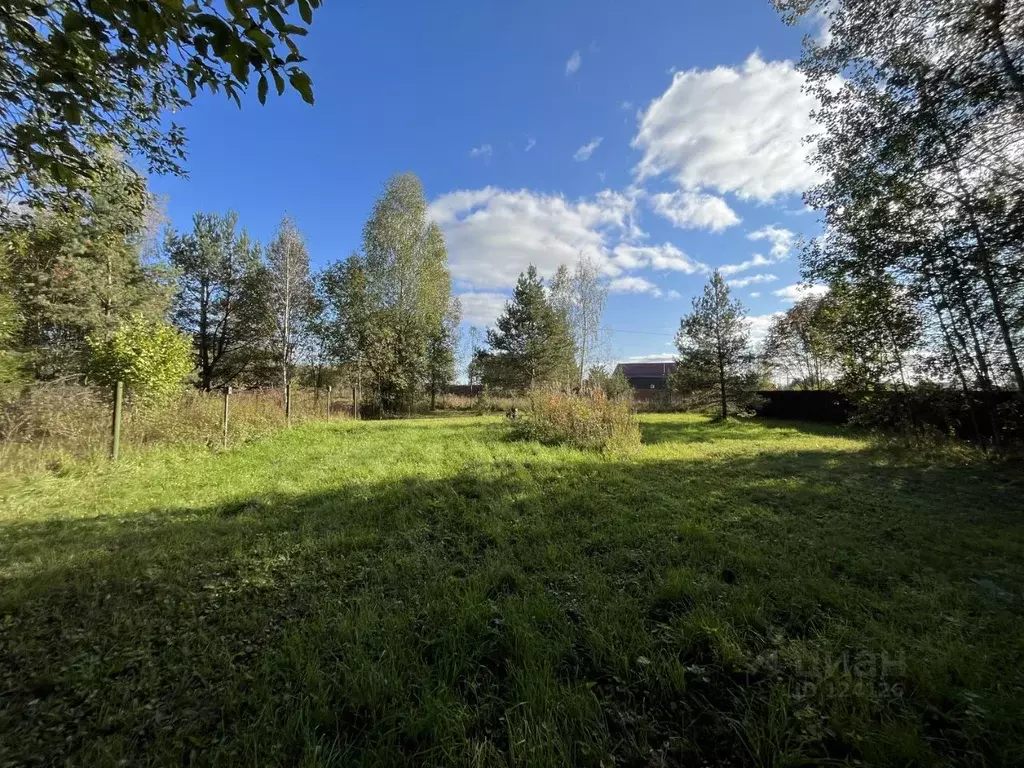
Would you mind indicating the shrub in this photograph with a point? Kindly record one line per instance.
(589, 422)
(152, 358)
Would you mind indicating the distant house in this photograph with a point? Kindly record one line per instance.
(646, 375)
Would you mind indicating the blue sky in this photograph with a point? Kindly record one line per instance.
(661, 139)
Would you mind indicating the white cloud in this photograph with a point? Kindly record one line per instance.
(583, 153)
(759, 325)
(755, 294)
(743, 282)
(494, 234)
(655, 358)
(793, 293)
(732, 129)
(626, 106)
(484, 150)
(694, 210)
(782, 240)
(757, 261)
(572, 66)
(660, 257)
(633, 285)
(481, 307)
(530, 144)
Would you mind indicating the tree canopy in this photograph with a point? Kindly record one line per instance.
(77, 76)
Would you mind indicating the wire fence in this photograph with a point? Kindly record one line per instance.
(51, 424)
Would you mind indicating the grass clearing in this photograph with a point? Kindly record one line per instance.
(426, 592)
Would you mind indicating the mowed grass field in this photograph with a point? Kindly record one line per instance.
(426, 592)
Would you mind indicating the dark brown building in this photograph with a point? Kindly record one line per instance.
(646, 375)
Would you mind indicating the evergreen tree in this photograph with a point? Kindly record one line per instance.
(531, 343)
(81, 268)
(715, 361)
(219, 297)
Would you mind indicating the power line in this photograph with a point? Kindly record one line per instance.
(663, 334)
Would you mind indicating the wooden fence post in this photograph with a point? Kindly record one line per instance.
(224, 426)
(329, 402)
(115, 427)
(355, 406)
(288, 404)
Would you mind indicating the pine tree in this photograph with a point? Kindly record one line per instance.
(531, 343)
(218, 297)
(715, 361)
(81, 269)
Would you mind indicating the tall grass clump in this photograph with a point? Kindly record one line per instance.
(51, 425)
(591, 422)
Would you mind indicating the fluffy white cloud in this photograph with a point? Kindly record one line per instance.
(757, 261)
(743, 282)
(583, 153)
(660, 257)
(481, 307)
(572, 66)
(759, 325)
(484, 150)
(755, 294)
(793, 293)
(694, 210)
(655, 358)
(633, 285)
(494, 234)
(782, 240)
(733, 129)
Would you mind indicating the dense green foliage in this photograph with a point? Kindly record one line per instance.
(922, 190)
(531, 344)
(389, 311)
(82, 268)
(427, 593)
(221, 299)
(149, 356)
(75, 76)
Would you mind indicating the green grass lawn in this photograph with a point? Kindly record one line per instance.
(427, 593)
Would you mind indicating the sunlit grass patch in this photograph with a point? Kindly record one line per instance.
(429, 592)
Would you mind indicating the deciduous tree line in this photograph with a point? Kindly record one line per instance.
(921, 154)
(920, 149)
(94, 273)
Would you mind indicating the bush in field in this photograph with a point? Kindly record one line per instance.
(150, 357)
(590, 422)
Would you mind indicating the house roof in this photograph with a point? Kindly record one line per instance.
(651, 370)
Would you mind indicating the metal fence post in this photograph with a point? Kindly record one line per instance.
(115, 428)
(224, 426)
(328, 402)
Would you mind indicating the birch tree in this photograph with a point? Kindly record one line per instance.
(290, 294)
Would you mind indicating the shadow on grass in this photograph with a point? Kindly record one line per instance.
(635, 613)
